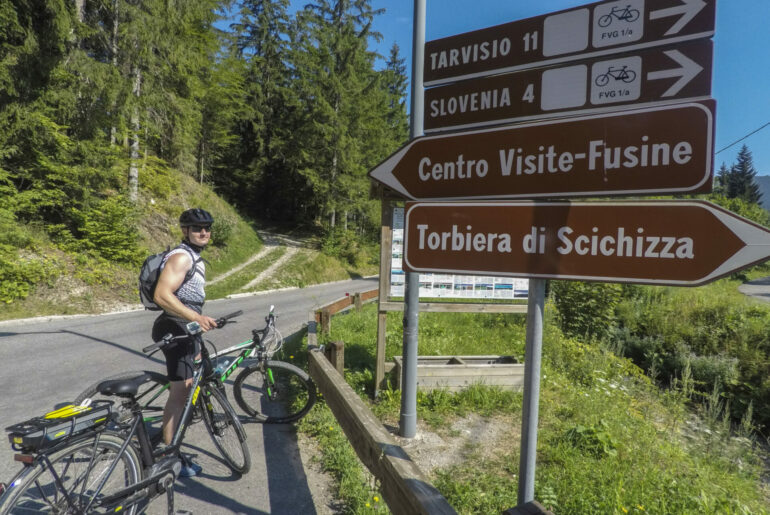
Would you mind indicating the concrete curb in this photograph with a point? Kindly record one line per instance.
(138, 307)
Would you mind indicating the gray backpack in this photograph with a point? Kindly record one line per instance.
(150, 272)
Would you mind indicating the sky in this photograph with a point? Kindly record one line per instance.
(741, 74)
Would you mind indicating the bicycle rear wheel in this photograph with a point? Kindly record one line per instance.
(281, 393)
(225, 429)
(34, 489)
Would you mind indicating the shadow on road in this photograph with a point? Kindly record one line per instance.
(88, 337)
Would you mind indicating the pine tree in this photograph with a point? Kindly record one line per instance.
(272, 186)
(721, 181)
(396, 83)
(339, 88)
(746, 187)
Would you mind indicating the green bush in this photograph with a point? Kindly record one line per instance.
(19, 276)
(14, 234)
(110, 230)
(348, 246)
(222, 229)
(586, 310)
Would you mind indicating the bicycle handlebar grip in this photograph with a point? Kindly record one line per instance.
(221, 321)
(152, 347)
(167, 338)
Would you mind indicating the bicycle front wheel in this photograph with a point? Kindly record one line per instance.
(225, 429)
(81, 467)
(278, 394)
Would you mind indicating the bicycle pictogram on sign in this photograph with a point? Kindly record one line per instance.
(621, 14)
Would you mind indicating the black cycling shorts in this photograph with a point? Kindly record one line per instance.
(179, 357)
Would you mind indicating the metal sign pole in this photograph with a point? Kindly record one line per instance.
(532, 358)
(408, 419)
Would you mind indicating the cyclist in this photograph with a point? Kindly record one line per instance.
(181, 296)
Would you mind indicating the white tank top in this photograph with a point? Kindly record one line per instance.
(192, 293)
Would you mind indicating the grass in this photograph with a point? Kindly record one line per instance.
(237, 281)
(309, 266)
(609, 440)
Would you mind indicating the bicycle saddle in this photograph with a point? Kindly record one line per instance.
(127, 387)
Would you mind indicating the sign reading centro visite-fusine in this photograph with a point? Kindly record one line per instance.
(649, 77)
(590, 30)
(661, 150)
(675, 243)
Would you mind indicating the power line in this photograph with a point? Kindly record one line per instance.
(743, 138)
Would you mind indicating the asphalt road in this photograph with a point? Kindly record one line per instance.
(48, 361)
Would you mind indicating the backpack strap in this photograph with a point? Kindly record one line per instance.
(194, 268)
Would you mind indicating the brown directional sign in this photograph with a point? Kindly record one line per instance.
(647, 77)
(683, 243)
(595, 29)
(659, 150)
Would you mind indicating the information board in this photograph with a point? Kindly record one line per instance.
(448, 285)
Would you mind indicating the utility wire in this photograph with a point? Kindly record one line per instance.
(743, 138)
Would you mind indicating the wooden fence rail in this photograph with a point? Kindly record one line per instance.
(404, 487)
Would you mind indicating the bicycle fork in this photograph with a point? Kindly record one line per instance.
(272, 391)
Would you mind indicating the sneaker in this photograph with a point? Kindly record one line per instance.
(189, 468)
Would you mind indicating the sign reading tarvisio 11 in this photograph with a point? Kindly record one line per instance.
(591, 30)
(657, 242)
(650, 151)
(650, 77)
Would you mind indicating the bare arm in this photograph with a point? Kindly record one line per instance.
(170, 280)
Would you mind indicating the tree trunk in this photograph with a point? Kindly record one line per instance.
(80, 10)
(114, 52)
(133, 171)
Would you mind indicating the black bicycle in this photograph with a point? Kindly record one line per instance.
(82, 460)
(207, 400)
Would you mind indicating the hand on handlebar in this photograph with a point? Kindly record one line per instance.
(207, 323)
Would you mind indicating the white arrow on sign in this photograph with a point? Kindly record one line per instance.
(686, 72)
(688, 10)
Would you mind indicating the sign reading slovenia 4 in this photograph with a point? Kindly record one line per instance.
(654, 76)
(666, 243)
(591, 30)
(654, 150)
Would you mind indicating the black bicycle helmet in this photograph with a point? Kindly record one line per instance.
(196, 216)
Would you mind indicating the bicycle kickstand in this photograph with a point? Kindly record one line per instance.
(170, 501)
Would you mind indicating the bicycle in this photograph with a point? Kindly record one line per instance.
(622, 74)
(269, 391)
(218, 415)
(621, 14)
(80, 460)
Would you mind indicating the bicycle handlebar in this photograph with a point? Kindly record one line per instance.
(170, 338)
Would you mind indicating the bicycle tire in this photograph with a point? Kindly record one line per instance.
(294, 396)
(33, 490)
(602, 80)
(605, 20)
(225, 429)
(629, 77)
(152, 396)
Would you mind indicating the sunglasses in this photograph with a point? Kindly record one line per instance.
(199, 228)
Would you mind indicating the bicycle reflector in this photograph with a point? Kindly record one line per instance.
(24, 458)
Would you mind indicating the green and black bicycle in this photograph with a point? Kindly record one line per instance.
(269, 391)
